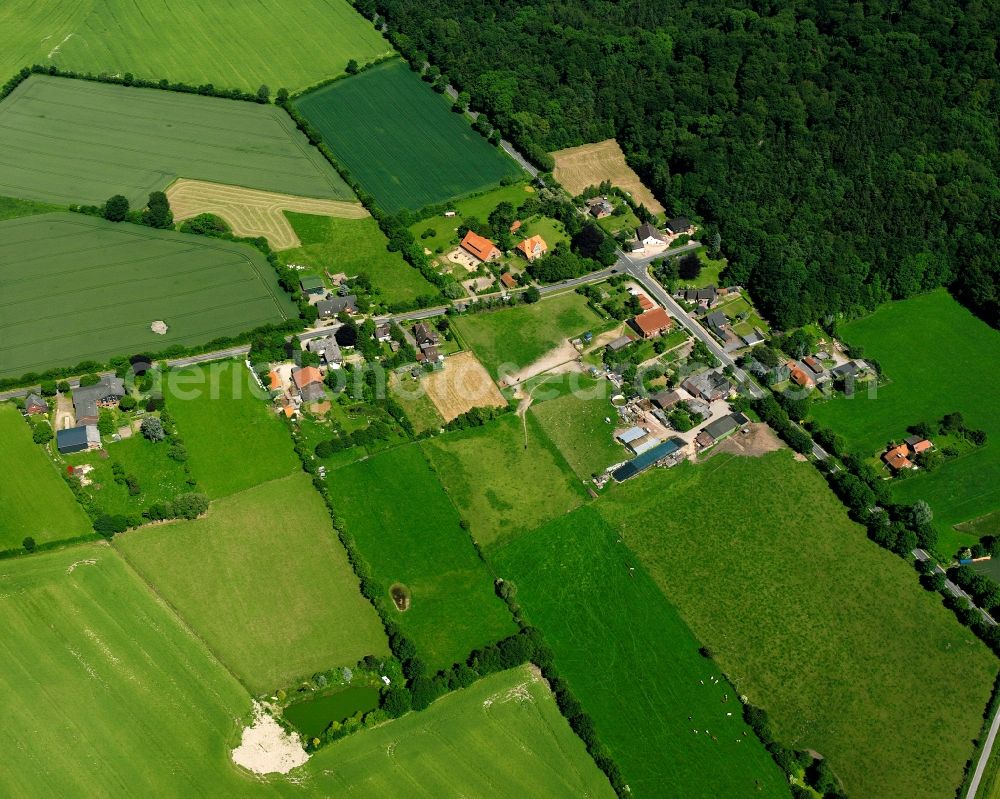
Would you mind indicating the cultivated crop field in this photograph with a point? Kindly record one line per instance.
(407, 530)
(35, 500)
(251, 212)
(233, 438)
(503, 736)
(578, 168)
(940, 365)
(811, 619)
(226, 42)
(462, 385)
(505, 477)
(516, 337)
(74, 288)
(73, 141)
(400, 140)
(634, 664)
(269, 623)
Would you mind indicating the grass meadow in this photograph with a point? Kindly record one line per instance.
(73, 141)
(479, 206)
(13, 208)
(35, 500)
(400, 140)
(406, 528)
(355, 246)
(524, 333)
(939, 359)
(230, 43)
(503, 736)
(504, 479)
(78, 288)
(264, 581)
(233, 438)
(811, 620)
(634, 664)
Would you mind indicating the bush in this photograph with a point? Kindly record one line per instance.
(41, 434)
(152, 428)
(190, 506)
(127, 403)
(396, 701)
(29, 544)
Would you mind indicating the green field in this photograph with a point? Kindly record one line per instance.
(12, 208)
(75, 288)
(233, 438)
(72, 141)
(419, 408)
(939, 358)
(400, 140)
(35, 500)
(634, 665)
(520, 335)
(265, 582)
(230, 43)
(503, 484)
(811, 619)
(479, 206)
(355, 246)
(406, 528)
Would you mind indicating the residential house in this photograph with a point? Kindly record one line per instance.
(710, 386)
(753, 338)
(479, 247)
(680, 225)
(649, 236)
(312, 285)
(652, 323)
(600, 208)
(331, 306)
(642, 462)
(665, 400)
(425, 335)
(532, 248)
(635, 247)
(327, 349)
(508, 281)
(917, 444)
(814, 366)
(897, 458)
(429, 355)
(309, 382)
(87, 400)
(78, 439)
(617, 344)
(718, 322)
(799, 376)
(699, 407)
(33, 404)
(705, 297)
(383, 333)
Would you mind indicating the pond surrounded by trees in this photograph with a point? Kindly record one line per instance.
(313, 716)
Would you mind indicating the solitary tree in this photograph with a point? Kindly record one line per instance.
(42, 434)
(158, 213)
(116, 208)
(352, 67)
(263, 94)
(29, 544)
(152, 428)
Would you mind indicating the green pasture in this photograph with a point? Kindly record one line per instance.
(355, 246)
(938, 358)
(230, 43)
(505, 477)
(73, 141)
(75, 288)
(406, 528)
(419, 408)
(634, 665)
(400, 140)
(522, 334)
(12, 208)
(233, 437)
(812, 620)
(36, 501)
(478, 206)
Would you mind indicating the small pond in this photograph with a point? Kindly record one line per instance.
(314, 715)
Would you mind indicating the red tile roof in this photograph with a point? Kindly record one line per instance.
(653, 322)
(921, 446)
(307, 375)
(645, 303)
(483, 249)
(508, 280)
(275, 379)
(798, 375)
(533, 247)
(896, 457)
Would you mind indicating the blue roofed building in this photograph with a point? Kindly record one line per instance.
(642, 462)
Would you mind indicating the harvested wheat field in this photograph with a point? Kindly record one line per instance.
(252, 212)
(590, 164)
(462, 385)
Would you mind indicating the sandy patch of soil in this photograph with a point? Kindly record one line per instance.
(564, 358)
(590, 164)
(251, 212)
(266, 748)
(463, 384)
(760, 440)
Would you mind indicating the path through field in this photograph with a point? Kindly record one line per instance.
(252, 212)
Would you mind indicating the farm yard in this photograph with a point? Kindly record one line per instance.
(227, 42)
(400, 140)
(462, 385)
(35, 500)
(578, 168)
(762, 562)
(407, 530)
(78, 288)
(72, 141)
(269, 625)
(251, 212)
(611, 631)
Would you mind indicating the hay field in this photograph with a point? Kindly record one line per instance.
(231, 43)
(74, 288)
(462, 385)
(591, 164)
(72, 141)
(400, 140)
(251, 212)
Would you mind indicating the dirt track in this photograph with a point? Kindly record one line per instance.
(251, 212)
(590, 164)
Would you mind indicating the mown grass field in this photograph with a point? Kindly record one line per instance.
(406, 528)
(227, 42)
(516, 337)
(233, 438)
(400, 140)
(73, 141)
(75, 288)
(503, 736)
(811, 619)
(634, 664)
(265, 582)
(355, 246)
(502, 485)
(35, 500)
(939, 359)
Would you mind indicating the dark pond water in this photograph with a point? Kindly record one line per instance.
(314, 715)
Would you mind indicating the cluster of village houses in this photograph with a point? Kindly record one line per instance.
(899, 456)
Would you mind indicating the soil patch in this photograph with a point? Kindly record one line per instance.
(463, 384)
(266, 748)
(758, 441)
(400, 597)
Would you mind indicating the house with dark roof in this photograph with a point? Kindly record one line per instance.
(330, 306)
(383, 332)
(430, 356)
(710, 386)
(87, 400)
(753, 338)
(425, 335)
(706, 296)
(649, 236)
(652, 323)
(479, 247)
(680, 225)
(33, 404)
(665, 400)
(327, 349)
(78, 439)
(311, 284)
(599, 207)
(718, 321)
(720, 428)
(617, 344)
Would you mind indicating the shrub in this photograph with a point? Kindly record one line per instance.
(152, 428)
(29, 544)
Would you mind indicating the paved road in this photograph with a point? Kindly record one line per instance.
(984, 756)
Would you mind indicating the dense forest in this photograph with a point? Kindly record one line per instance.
(846, 151)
